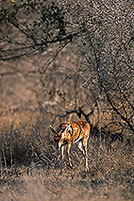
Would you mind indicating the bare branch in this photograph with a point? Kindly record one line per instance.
(79, 113)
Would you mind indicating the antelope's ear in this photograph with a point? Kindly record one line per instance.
(52, 129)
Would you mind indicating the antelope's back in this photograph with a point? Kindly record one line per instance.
(80, 129)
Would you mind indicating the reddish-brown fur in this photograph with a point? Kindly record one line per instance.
(70, 133)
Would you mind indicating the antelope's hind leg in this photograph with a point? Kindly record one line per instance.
(80, 146)
(85, 140)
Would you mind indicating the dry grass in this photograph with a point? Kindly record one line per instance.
(30, 168)
(50, 185)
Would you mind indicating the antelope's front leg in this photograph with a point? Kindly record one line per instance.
(62, 152)
(68, 153)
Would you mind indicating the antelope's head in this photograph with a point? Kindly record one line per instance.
(61, 135)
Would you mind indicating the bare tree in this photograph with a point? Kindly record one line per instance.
(97, 36)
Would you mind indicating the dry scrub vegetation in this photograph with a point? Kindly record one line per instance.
(66, 61)
(31, 170)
